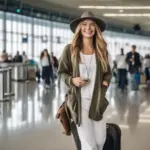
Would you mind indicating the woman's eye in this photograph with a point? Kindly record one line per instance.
(92, 25)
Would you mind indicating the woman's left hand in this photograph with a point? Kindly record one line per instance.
(105, 83)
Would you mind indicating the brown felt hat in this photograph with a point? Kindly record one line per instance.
(87, 15)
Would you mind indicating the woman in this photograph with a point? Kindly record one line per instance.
(121, 66)
(147, 67)
(47, 71)
(85, 70)
(115, 70)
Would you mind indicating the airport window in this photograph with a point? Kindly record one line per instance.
(32, 35)
(42, 34)
(1, 31)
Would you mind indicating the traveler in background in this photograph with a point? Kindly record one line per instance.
(47, 70)
(122, 70)
(4, 56)
(88, 81)
(133, 60)
(55, 65)
(115, 71)
(18, 58)
(146, 64)
(24, 57)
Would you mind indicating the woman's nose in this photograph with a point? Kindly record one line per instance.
(88, 27)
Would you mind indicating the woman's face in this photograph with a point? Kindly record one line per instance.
(45, 53)
(88, 28)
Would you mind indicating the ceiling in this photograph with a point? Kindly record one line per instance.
(71, 7)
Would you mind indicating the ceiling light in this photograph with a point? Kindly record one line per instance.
(121, 10)
(126, 15)
(114, 7)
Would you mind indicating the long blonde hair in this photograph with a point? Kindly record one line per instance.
(98, 42)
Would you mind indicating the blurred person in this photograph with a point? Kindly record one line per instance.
(24, 57)
(4, 56)
(122, 69)
(55, 64)
(47, 70)
(133, 60)
(88, 81)
(115, 70)
(10, 59)
(38, 72)
(146, 64)
(18, 58)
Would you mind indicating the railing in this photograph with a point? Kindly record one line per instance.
(6, 84)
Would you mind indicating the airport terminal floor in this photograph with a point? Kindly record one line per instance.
(27, 122)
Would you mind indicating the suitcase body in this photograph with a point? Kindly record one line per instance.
(143, 79)
(113, 140)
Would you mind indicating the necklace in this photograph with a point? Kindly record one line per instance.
(88, 68)
(87, 73)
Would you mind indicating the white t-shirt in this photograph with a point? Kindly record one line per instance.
(25, 58)
(45, 62)
(121, 62)
(88, 64)
(146, 62)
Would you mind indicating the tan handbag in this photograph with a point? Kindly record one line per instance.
(64, 116)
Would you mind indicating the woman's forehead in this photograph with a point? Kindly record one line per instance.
(88, 21)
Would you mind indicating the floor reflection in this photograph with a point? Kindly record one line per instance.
(32, 104)
(128, 108)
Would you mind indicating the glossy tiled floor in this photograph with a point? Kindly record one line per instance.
(28, 121)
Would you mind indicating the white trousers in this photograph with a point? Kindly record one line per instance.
(92, 133)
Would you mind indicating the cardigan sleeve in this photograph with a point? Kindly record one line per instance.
(65, 67)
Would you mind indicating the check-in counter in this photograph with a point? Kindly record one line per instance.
(20, 71)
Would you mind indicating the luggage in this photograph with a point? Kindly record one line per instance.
(31, 74)
(113, 140)
(143, 79)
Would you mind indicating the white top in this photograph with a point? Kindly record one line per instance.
(146, 62)
(88, 62)
(45, 61)
(24, 58)
(121, 61)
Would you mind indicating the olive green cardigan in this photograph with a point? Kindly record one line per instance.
(67, 70)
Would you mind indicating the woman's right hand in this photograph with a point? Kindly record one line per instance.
(78, 81)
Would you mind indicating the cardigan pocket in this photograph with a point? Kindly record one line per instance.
(104, 101)
(104, 106)
(72, 105)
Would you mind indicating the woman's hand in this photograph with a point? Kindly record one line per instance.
(79, 82)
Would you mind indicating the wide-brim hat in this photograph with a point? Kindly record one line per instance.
(87, 15)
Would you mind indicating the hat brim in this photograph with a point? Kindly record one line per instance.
(99, 22)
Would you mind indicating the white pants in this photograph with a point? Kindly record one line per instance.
(92, 133)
